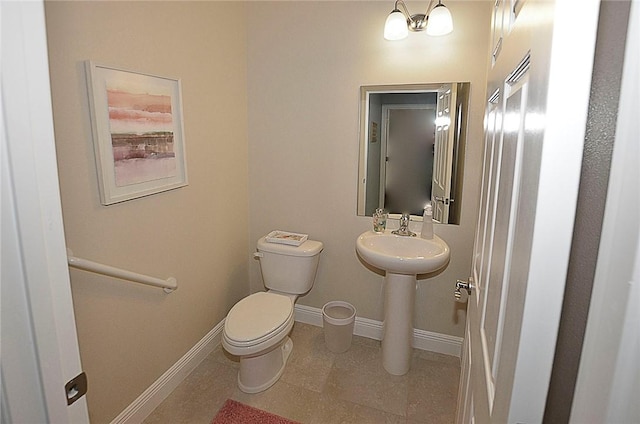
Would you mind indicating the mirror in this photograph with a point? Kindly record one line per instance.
(412, 142)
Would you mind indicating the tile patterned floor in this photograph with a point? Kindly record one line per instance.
(321, 387)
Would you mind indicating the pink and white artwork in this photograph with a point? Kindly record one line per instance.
(141, 126)
(137, 132)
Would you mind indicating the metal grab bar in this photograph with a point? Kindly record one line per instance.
(168, 285)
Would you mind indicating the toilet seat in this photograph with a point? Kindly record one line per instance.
(256, 318)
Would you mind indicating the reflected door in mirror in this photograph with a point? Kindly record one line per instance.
(444, 149)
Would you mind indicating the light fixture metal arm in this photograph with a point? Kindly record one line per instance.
(417, 22)
(429, 7)
(404, 8)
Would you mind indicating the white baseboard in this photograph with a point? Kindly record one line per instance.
(149, 400)
(423, 340)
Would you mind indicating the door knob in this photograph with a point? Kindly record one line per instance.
(462, 285)
(444, 200)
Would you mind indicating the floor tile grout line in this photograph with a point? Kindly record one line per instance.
(310, 342)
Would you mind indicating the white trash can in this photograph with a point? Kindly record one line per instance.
(338, 319)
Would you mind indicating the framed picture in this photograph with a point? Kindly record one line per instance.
(373, 138)
(137, 128)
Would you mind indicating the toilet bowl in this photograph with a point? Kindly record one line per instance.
(257, 327)
(256, 330)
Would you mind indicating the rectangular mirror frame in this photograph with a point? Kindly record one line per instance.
(459, 143)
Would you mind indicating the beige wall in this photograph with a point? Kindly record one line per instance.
(306, 62)
(130, 334)
(270, 104)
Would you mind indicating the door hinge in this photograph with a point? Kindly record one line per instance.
(76, 388)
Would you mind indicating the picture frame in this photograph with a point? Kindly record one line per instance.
(373, 133)
(138, 132)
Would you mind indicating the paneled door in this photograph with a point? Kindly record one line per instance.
(503, 161)
(530, 176)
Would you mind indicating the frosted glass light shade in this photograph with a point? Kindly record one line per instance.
(395, 28)
(440, 22)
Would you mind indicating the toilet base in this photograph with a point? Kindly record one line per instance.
(258, 373)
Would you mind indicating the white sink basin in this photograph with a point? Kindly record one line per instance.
(403, 254)
(402, 258)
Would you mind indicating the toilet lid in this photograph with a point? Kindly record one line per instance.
(257, 315)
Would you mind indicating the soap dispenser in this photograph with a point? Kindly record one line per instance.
(427, 222)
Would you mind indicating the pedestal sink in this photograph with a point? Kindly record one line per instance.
(402, 258)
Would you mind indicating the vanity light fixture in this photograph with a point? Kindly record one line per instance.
(398, 24)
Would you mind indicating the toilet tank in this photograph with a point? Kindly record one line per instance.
(289, 269)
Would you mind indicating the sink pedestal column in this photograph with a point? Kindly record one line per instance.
(397, 333)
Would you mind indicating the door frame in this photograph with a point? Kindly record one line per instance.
(384, 139)
(607, 387)
(559, 180)
(40, 274)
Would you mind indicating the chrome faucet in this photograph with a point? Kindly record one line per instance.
(404, 227)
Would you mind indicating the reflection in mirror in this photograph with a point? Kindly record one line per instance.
(412, 142)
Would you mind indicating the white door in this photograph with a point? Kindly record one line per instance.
(531, 171)
(39, 344)
(443, 153)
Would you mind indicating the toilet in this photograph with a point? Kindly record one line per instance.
(257, 327)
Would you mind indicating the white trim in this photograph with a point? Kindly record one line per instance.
(149, 400)
(566, 85)
(423, 340)
(608, 388)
